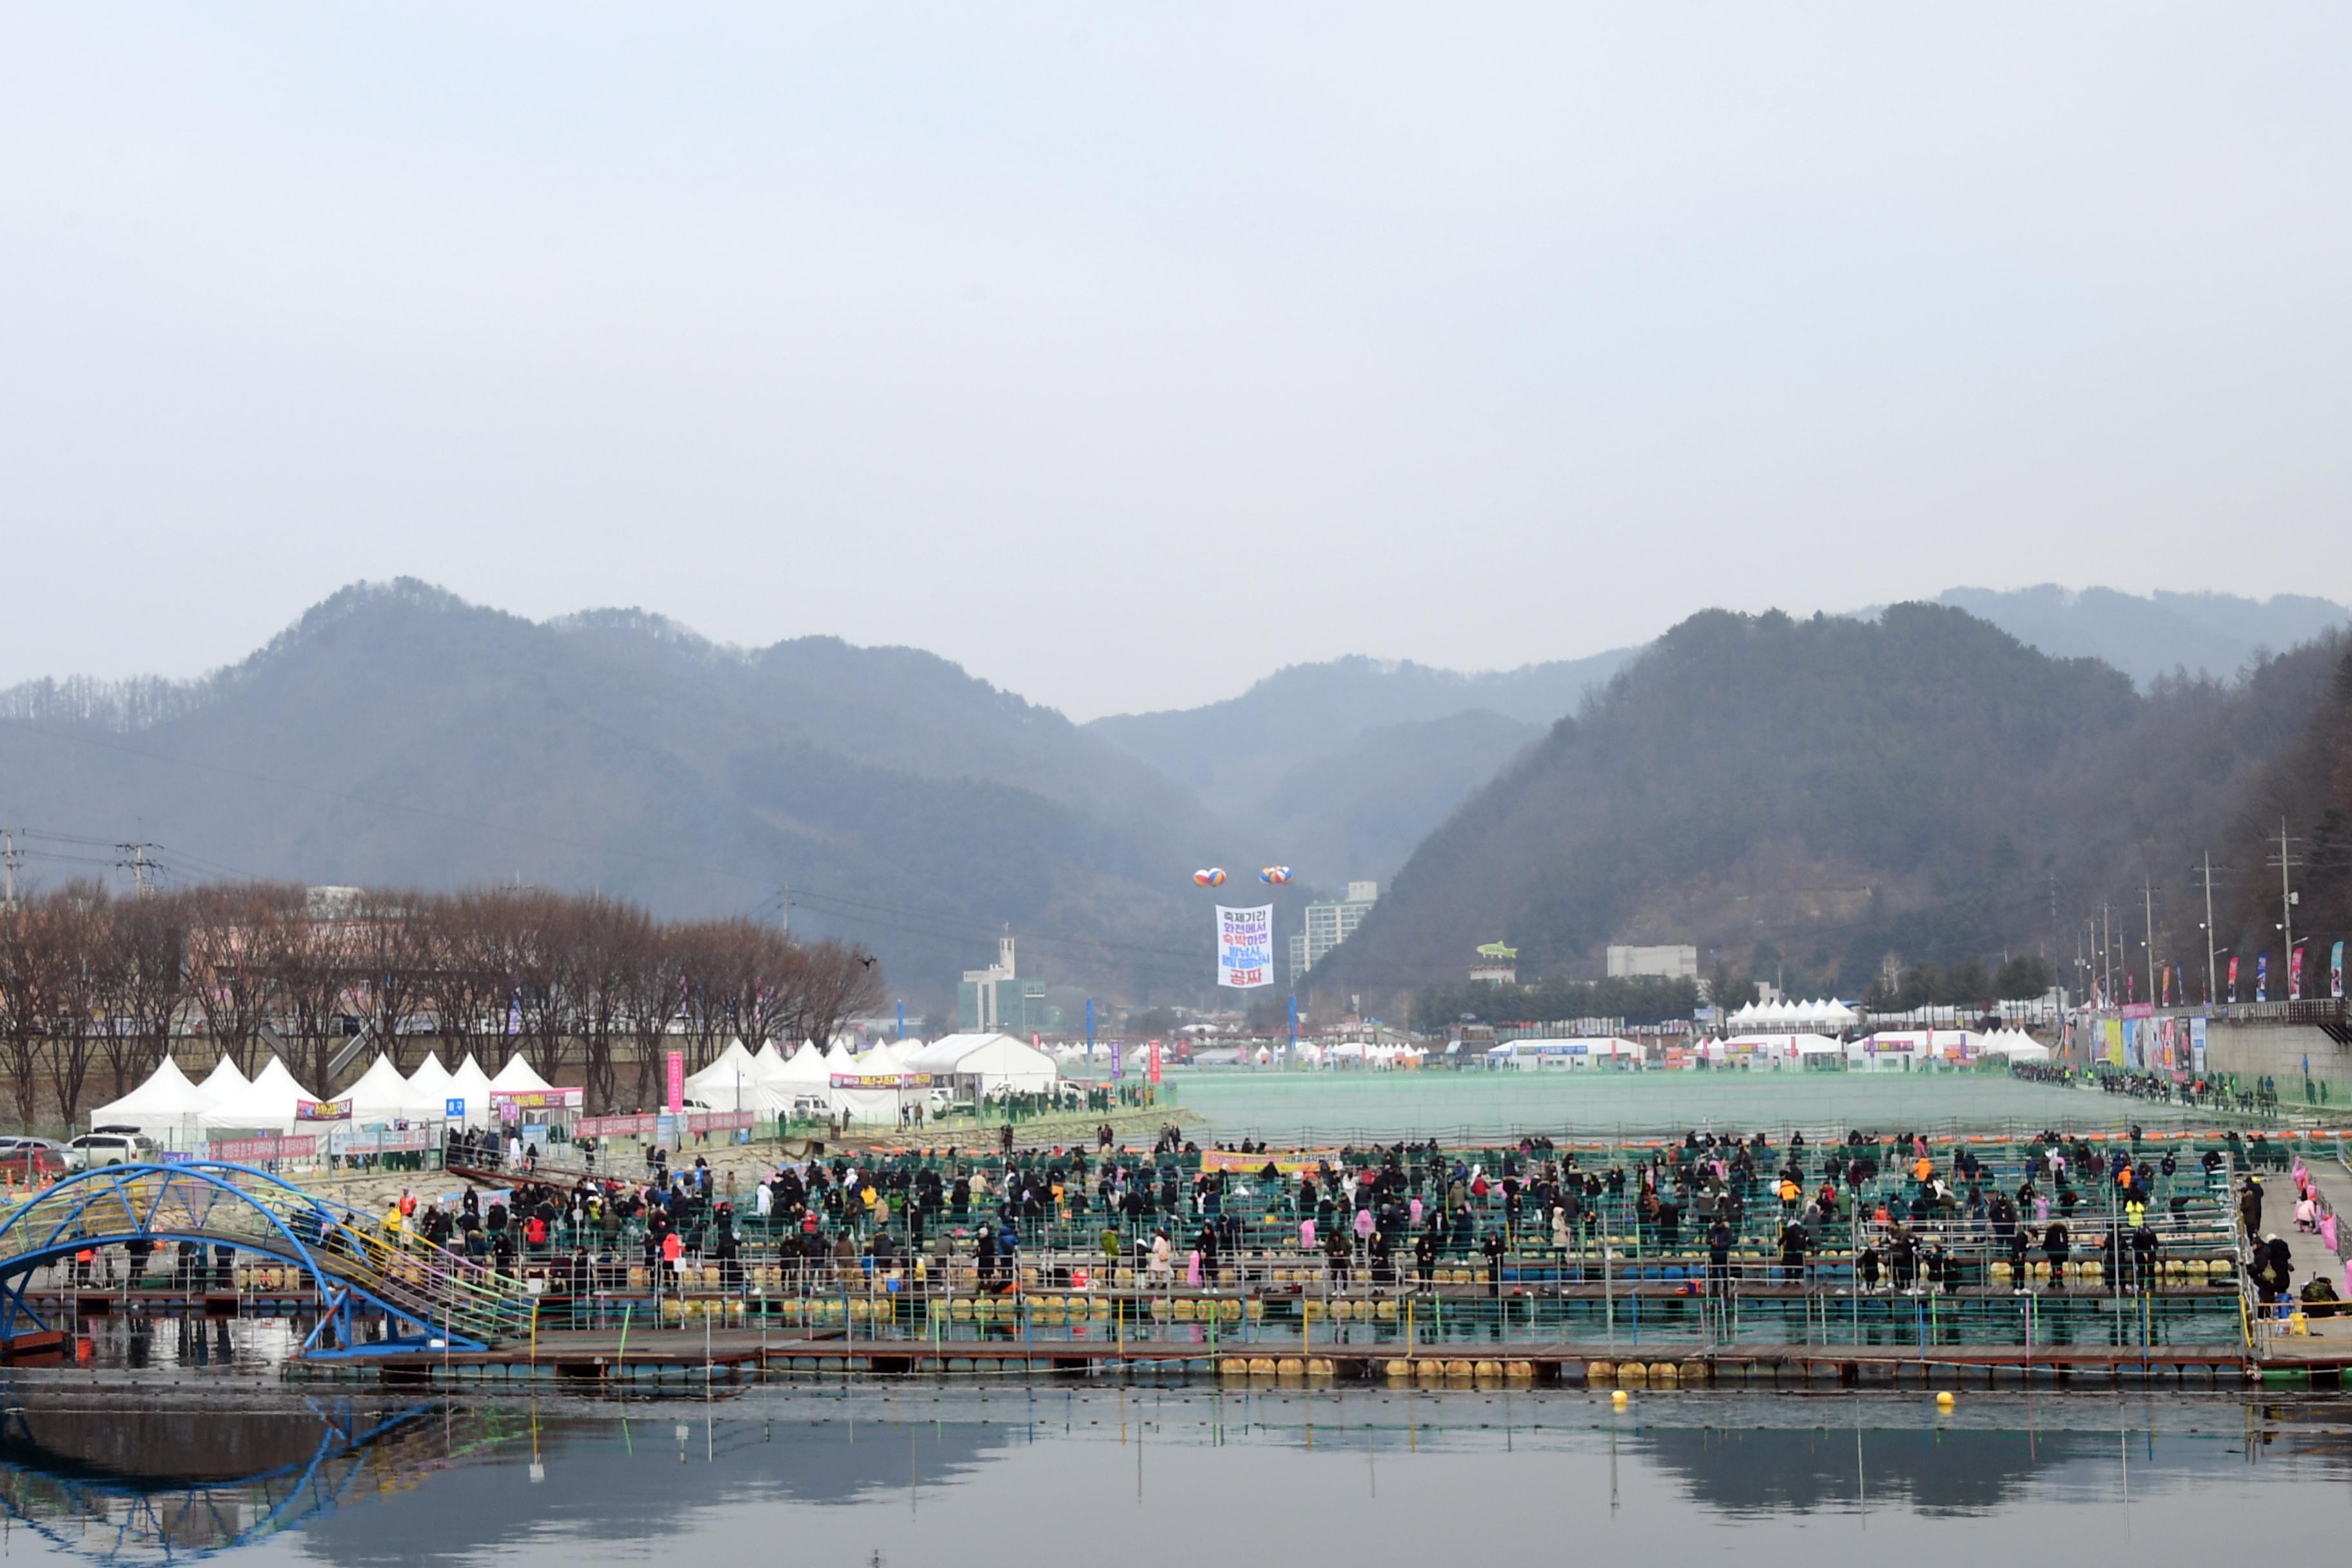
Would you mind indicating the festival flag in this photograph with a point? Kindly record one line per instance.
(2233, 977)
(2335, 973)
(2262, 978)
(2295, 974)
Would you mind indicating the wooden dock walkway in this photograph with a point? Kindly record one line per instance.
(582, 1359)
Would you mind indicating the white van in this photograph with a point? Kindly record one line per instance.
(112, 1148)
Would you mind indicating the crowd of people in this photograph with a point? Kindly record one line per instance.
(2257, 1097)
(1906, 1214)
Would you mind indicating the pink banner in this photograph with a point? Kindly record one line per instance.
(718, 1121)
(616, 1126)
(676, 1098)
(538, 1099)
(244, 1151)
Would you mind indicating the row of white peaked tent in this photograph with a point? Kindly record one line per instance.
(769, 1083)
(178, 1112)
(1764, 1017)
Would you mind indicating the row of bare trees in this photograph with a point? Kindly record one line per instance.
(593, 987)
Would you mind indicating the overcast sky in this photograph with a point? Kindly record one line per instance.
(1123, 357)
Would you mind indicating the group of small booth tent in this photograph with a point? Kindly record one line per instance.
(875, 1086)
(1889, 1050)
(178, 1113)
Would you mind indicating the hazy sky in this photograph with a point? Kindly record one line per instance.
(1124, 356)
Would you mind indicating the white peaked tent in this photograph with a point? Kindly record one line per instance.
(987, 1064)
(428, 1089)
(472, 1085)
(265, 1105)
(2016, 1045)
(730, 1083)
(166, 1108)
(879, 1104)
(224, 1082)
(380, 1094)
(769, 1062)
(883, 1057)
(517, 1076)
(807, 1069)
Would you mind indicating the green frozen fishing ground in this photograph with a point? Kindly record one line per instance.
(1338, 1106)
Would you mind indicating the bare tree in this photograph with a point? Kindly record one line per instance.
(28, 956)
(839, 983)
(83, 950)
(570, 981)
(464, 980)
(150, 976)
(230, 928)
(312, 973)
(609, 937)
(393, 943)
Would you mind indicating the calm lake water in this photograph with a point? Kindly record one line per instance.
(920, 1475)
(1465, 1106)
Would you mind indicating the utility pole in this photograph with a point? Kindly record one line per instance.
(138, 866)
(8, 869)
(2210, 965)
(2107, 948)
(2148, 891)
(2286, 901)
(784, 906)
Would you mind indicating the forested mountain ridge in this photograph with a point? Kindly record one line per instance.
(2151, 636)
(1834, 791)
(427, 742)
(1342, 766)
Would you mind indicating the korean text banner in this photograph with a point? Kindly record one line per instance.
(1245, 946)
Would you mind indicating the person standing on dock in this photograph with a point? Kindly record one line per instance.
(1719, 1240)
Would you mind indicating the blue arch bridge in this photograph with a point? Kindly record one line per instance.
(426, 1297)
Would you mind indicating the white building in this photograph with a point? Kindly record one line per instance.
(1668, 963)
(1329, 924)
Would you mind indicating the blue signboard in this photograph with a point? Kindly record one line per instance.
(454, 1106)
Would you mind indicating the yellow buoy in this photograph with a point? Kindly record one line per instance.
(1618, 1400)
(1944, 1399)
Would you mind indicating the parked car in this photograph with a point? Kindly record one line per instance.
(35, 1160)
(113, 1146)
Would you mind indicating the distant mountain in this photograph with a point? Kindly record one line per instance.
(2149, 637)
(427, 741)
(1835, 791)
(1340, 768)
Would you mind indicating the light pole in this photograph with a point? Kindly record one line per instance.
(2209, 929)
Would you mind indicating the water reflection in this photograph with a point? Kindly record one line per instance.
(917, 1474)
(101, 1474)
